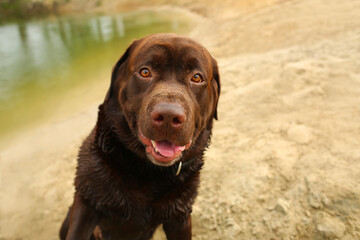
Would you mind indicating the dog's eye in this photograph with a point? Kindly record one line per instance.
(144, 72)
(197, 78)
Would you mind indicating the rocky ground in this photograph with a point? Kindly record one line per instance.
(285, 157)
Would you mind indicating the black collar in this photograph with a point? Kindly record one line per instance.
(182, 165)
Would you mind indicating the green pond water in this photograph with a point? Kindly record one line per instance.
(42, 60)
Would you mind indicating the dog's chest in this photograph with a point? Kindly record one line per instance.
(128, 197)
(142, 212)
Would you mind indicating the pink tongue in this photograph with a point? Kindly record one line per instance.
(167, 149)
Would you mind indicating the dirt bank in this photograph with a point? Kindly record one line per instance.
(285, 157)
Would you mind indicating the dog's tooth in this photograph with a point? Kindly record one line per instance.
(153, 144)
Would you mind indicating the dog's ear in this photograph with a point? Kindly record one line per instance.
(216, 86)
(115, 70)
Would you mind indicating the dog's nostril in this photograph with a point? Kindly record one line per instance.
(159, 118)
(178, 120)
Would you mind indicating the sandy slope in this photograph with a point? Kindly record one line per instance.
(285, 157)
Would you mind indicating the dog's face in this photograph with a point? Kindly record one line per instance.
(167, 88)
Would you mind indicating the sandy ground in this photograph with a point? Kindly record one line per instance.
(285, 157)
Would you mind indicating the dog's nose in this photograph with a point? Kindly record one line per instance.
(168, 115)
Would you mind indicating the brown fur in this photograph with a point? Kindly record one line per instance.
(120, 193)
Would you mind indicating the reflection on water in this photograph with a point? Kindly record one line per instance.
(40, 60)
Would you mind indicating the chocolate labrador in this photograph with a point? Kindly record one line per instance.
(140, 165)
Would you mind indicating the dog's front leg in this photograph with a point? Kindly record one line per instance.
(176, 230)
(82, 221)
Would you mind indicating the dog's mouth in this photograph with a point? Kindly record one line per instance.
(163, 153)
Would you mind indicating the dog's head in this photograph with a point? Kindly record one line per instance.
(165, 89)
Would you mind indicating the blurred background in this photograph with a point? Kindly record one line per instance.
(284, 161)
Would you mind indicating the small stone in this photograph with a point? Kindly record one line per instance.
(326, 201)
(261, 198)
(329, 227)
(282, 206)
(313, 202)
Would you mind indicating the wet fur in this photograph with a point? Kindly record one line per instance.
(119, 191)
